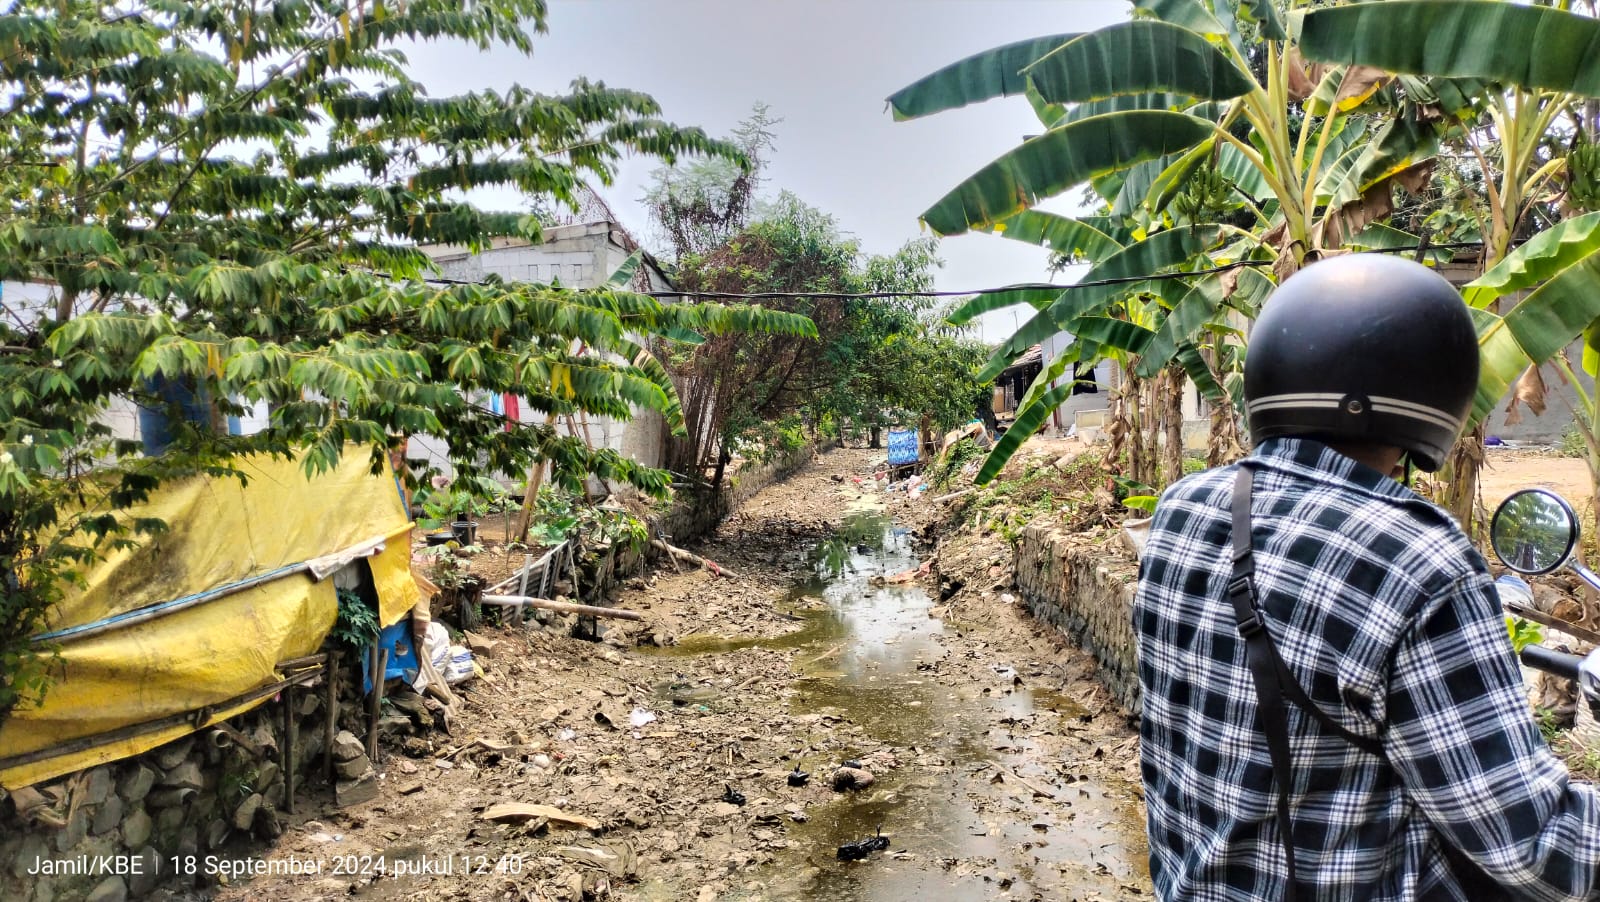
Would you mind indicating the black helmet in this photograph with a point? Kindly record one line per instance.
(1364, 347)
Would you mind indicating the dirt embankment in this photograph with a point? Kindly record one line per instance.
(1001, 767)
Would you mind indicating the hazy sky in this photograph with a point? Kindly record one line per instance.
(825, 67)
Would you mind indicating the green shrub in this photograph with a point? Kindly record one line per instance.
(1571, 444)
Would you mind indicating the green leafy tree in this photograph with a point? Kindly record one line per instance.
(740, 391)
(698, 204)
(228, 198)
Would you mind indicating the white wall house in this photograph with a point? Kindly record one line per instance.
(578, 256)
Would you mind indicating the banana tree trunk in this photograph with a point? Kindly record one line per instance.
(1136, 430)
(1172, 414)
(1463, 464)
(1117, 424)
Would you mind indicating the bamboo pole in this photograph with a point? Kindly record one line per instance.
(691, 557)
(564, 607)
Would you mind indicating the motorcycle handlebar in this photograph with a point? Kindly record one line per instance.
(1559, 663)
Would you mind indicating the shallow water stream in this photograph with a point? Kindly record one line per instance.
(978, 806)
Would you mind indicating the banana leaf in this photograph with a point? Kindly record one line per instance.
(1040, 326)
(624, 273)
(1194, 364)
(1265, 14)
(1137, 184)
(1188, 315)
(1500, 362)
(1022, 428)
(1557, 312)
(1122, 103)
(1506, 43)
(983, 76)
(1545, 255)
(1243, 173)
(1037, 298)
(1538, 328)
(1059, 159)
(1137, 57)
(1189, 14)
(1071, 237)
(1113, 333)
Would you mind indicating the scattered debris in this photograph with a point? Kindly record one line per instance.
(848, 778)
(798, 777)
(732, 796)
(521, 812)
(861, 848)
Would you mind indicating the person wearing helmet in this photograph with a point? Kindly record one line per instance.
(1349, 646)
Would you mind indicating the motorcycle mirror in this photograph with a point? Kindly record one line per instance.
(1534, 531)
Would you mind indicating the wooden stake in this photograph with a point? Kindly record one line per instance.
(290, 734)
(331, 674)
(377, 701)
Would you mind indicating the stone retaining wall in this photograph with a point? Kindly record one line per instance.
(181, 802)
(1086, 592)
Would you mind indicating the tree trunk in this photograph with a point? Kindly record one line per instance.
(1224, 446)
(723, 456)
(1136, 430)
(1173, 414)
(530, 498)
(1462, 465)
(1117, 426)
(875, 438)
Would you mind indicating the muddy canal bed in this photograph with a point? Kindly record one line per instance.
(1000, 769)
(967, 787)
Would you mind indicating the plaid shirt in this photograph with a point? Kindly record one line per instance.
(1386, 615)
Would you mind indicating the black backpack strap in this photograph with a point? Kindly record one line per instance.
(1274, 683)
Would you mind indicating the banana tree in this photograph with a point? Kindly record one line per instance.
(1540, 58)
(1144, 111)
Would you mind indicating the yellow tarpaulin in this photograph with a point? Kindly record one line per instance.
(221, 647)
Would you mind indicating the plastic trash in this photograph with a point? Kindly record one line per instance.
(459, 668)
(731, 795)
(861, 848)
(640, 717)
(798, 777)
(1514, 589)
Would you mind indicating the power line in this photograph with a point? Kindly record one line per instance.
(1026, 286)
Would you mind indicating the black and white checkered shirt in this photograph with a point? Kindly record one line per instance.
(1387, 616)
